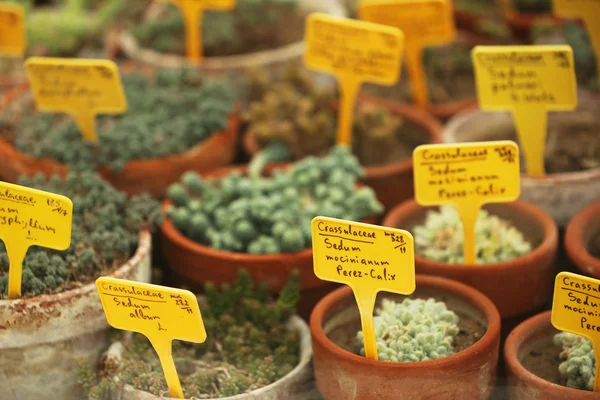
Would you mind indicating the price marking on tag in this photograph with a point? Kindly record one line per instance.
(367, 258)
(529, 81)
(13, 39)
(30, 217)
(467, 175)
(160, 313)
(354, 52)
(424, 23)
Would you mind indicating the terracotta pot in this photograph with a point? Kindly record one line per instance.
(580, 233)
(42, 339)
(532, 336)
(522, 24)
(516, 286)
(393, 182)
(560, 195)
(341, 374)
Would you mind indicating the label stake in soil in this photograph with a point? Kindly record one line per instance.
(13, 40)
(30, 217)
(354, 52)
(467, 175)
(424, 23)
(192, 11)
(81, 88)
(160, 313)
(528, 81)
(576, 300)
(367, 258)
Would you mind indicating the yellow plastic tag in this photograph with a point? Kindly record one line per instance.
(367, 258)
(529, 81)
(13, 41)
(30, 217)
(81, 88)
(467, 175)
(424, 23)
(160, 313)
(192, 11)
(576, 309)
(354, 52)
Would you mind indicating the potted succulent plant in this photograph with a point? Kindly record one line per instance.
(526, 14)
(442, 343)
(225, 221)
(256, 348)
(174, 123)
(516, 245)
(59, 319)
(544, 363)
(582, 240)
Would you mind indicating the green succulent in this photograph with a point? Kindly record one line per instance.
(578, 364)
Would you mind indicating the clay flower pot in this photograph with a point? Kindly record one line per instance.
(534, 338)
(42, 339)
(516, 286)
(561, 195)
(341, 374)
(522, 24)
(581, 233)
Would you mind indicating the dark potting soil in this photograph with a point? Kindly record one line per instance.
(543, 361)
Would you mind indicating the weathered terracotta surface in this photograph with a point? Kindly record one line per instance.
(560, 195)
(42, 339)
(516, 286)
(579, 234)
(342, 375)
(524, 385)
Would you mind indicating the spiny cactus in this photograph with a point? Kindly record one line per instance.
(414, 330)
(270, 215)
(441, 238)
(105, 234)
(578, 366)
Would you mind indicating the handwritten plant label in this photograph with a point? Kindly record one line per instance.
(354, 52)
(576, 309)
(192, 11)
(81, 88)
(367, 258)
(160, 313)
(13, 41)
(467, 175)
(424, 23)
(30, 217)
(529, 81)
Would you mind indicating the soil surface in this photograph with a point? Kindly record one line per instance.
(544, 361)
(594, 245)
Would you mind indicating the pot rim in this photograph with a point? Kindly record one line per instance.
(548, 244)
(574, 240)
(477, 299)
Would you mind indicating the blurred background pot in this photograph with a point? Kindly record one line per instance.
(582, 240)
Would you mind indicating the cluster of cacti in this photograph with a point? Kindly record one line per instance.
(271, 215)
(441, 238)
(578, 364)
(251, 26)
(249, 345)
(167, 114)
(414, 330)
(105, 233)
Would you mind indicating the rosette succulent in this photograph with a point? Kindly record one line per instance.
(578, 364)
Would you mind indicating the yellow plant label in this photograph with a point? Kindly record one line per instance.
(354, 52)
(192, 11)
(367, 258)
(467, 175)
(423, 22)
(30, 217)
(13, 42)
(576, 309)
(529, 81)
(81, 88)
(160, 313)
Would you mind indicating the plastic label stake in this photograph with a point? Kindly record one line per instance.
(81, 88)
(424, 23)
(30, 217)
(192, 11)
(13, 39)
(528, 81)
(367, 258)
(575, 307)
(467, 175)
(354, 52)
(160, 313)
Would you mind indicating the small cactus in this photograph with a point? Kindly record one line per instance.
(578, 366)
